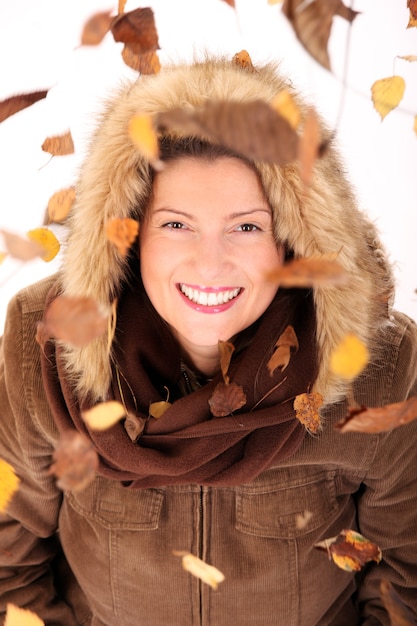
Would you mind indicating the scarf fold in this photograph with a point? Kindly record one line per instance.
(187, 444)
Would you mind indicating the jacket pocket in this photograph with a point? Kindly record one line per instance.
(118, 508)
(285, 506)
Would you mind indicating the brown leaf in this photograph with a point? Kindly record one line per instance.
(253, 129)
(399, 613)
(350, 550)
(75, 320)
(137, 30)
(309, 145)
(307, 407)
(226, 398)
(21, 248)
(75, 462)
(312, 23)
(59, 145)
(122, 232)
(412, 6)
(147, 63)
(379, 419)
(95, 28)
(134, 426)
(60, 204)
(309, 272)
(12, 105)
(231, 3)
(226, 349)
(286, 344)
(242, 59)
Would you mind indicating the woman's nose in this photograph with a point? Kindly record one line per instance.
(212, 257)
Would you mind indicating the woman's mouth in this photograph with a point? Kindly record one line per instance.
(213, 299)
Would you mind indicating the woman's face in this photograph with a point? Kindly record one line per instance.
(206, 245)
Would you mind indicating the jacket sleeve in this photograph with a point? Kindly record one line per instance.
(29, 545)
(387, 505)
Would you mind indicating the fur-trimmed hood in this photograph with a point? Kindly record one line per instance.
(323, 220)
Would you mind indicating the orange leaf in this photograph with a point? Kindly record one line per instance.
(253, 129)
(242, 59)
(309, 272)
(12, 105)
(9, 484)
(285, 105)
(350, 550)
(75, 461)
(121, 6)
(60, 204)
(307, 407)
(226, 349)
(308, 147)
(21, 617)
(136, 29)
(59, 145)
(399, 613)
(226, 398)
(286, 344)
(379, 419)
(412, 5)
(75, 320)
(312, 23)
(47, 240)
(231, 3)
(104, 415)
(96, 28)
(3, 255)
(122, 232)
(142, 133)
(147, 63)
(20, 248)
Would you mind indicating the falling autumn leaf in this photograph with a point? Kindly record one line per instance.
(104, 415)
(75, 320)
(75, 462)
(21, 248)
(387, 93)
(306, 406)
(142, 133)
(242, 59)
(253, 129)
(226, 399)
(122, 232)
(309, 145)
(157, 409)
(309, 272)
(285, 105)
(95, 28)
(350, 550)
(48, 242)
(415, 124)
(59, 145)
(9, 484)
(226, 349)
(13, 105)
(411, 58)
(137, 30)
(349, 358)
(21, 617)
(3, 255)
(231, 3)
(412, 6)
(399, 613)
(134, 426)
(302, 521)
(195, 566)
(286, 343)
(147, 63)
(60, 204)
(312, 23)
(121, 6)
(379, 419)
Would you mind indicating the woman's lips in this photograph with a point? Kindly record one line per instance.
(209, 299)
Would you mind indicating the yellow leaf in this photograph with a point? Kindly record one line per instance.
(284, 104)
(157, 409)
(21, 617)
(275, 1)
(409, 57)
(3, 255)
(195, 566)
(60, 204)
(104, 415)
(387, 93)
(47, 240)
(122, 232)
(9, 484)
(143, 135)
(349, 358)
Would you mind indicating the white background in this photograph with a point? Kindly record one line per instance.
(40, 49)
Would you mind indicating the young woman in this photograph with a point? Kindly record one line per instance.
(229, 488)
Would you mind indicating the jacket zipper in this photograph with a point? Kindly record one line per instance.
(200, 549)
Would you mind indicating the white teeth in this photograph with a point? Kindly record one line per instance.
(209, 299)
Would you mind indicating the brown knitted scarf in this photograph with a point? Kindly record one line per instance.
(188, 444)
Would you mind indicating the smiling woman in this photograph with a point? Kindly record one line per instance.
(217, 375)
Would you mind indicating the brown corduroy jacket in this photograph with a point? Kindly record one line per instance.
(120, 542)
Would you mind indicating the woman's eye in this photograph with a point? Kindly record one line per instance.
(247, 228)
(174, 225)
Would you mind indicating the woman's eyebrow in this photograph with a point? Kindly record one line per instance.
(233, 215)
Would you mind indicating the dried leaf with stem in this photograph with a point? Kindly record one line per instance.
(350, 550)
(286, 343)
(379, 419)
(59, 145)
(307, 410)
(387, 93)
(137, 30)
(14, 104)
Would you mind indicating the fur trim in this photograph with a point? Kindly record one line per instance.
(325, 220)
